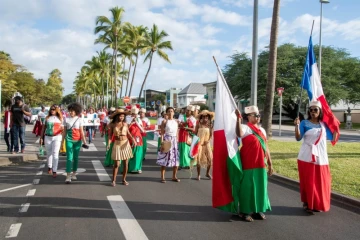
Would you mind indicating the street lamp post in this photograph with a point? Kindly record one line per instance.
(321, 10)
(254, 70)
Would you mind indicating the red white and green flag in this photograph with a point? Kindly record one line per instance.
(227, 169)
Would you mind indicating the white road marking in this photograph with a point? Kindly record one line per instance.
(24, 207)
(100, 171)
(9, 189)
(153, 143)
(104, 143)
(63, 171)
(13, 230)
(37, 141)
(128, 224)
(36, 181)
(31, 192)
(42, 165)
(39, 173)
(91, 148)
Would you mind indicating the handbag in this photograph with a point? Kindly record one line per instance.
(165, 145)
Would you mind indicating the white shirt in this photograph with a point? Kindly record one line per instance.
(159, 121)
(146, 120)
(171, 128)
(247, 130)
(106, 120)
(128, 119)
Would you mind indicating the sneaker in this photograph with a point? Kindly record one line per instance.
(68, 179)
(73, 177)
(139, 171)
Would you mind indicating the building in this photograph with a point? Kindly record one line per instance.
(172, 97)
(210, 95)
(150, 97)
(194, 93)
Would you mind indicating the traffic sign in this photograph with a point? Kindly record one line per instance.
(142, 104)
(280, 91)
(126, 99)
(158, 102)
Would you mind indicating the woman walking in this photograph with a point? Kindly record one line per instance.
(52, 135)
(168, 155)
(73, 135)
(313, 162)
(255, 157)
(204, 130)
(121, 151)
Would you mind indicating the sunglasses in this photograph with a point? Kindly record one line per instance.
(313, 109)
(255, 115)
(52, 109)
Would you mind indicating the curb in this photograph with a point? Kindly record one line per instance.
(337, 199)
(18, 159)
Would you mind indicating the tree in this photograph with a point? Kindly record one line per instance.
(25, 84)
(155, 43)
(67, 99)
(270, 86)
(54, 86)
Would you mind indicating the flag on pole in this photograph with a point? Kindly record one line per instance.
(312, 83)
(227, 170)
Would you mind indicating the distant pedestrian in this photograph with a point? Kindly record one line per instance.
(39, 122)
(7, 130)
(17, 123)
(121, 151)
(52, 135)
(168, 154)
(73, 134)
(91, 129)
(313, 162)
(255, 157)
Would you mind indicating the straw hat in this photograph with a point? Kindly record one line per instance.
(206, 112)
(191, 108)
(315, 104)
(118, 112)
(143, 110)
(252, 109)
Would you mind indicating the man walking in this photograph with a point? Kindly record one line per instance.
(17, 123)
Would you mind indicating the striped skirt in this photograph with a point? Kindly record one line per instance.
(121, 150)
(171, 158)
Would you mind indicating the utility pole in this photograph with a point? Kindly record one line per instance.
(254, 70)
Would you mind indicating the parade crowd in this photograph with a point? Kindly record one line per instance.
(185, 142)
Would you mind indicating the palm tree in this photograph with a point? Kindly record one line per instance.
(114, 27)
(270, 86)
(154, 43)
(136, 39)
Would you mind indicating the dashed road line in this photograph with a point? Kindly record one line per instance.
(42, 165)
(31, 192)
(100, 171)
(24, 207)
(39, 173)
(13, 230)
(9, 189)
(128, 224)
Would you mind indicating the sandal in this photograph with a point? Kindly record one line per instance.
(125, 183)
(175, 180)
(198, 178)
(163, 181)
(113, 184)
(305, 206)
(209, 176)
(246, 217)
(259, 216)
(309, 211)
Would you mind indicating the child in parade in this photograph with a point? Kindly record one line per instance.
(73, 135)
(52, 135)
(121, 151)
(168, 154)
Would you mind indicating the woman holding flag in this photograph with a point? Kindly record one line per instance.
(313, 162)
(255, 157)
(204, 130)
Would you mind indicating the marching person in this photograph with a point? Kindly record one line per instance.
(17, 123)
(7, 130)
(73, 135)
(160, 119)
(313, 162)
(146, 125)
(39, 122)
(121, 151)
(91, 129)
(52, 135)
(255, 157)
(106, 128)
(187, 127)
(204, 130)
(168, 154)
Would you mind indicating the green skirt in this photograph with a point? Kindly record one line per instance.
(185, 158)
(108, 161)
(144, 146)
(135, 163)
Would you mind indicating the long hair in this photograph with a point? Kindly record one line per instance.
(116, 118)
(320, 114)
(57, 111)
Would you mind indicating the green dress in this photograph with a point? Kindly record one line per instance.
(108, 161)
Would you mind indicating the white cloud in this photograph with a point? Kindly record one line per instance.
(214, 14)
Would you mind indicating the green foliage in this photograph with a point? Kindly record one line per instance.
(54, 87)
(203, 107)
(160, 97)
(340, 74)
(67, 99)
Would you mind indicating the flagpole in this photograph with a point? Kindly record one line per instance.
(227, 88)
(302, 85)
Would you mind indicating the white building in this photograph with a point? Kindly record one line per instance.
(194, 93)
(172, 97)
(210, 95)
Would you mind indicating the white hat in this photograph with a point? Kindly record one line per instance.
(143, 110)
(315, 104)
(251, 109)
(134, 110)
(197, 107)
(112, 109)
(191, 108)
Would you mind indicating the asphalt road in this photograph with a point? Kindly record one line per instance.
(152, 210)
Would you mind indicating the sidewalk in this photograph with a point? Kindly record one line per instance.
(31, 150)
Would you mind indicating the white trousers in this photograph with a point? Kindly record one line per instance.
(52, 145)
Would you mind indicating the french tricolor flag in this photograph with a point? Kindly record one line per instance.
(312, 83)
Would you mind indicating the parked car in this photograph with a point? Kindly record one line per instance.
(34, 113)
(151, 114)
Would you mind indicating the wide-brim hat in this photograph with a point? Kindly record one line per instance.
(118, 112)
(205, 113)
(112, 109)
(251, 109)
(190, 108)
(315, 104)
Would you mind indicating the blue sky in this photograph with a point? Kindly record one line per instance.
(46, 34)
